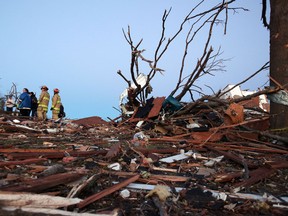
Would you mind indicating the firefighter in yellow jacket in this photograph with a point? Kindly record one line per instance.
(43, 103)
(56, 103)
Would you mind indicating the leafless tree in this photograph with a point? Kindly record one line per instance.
(207, 64)
(13, 92)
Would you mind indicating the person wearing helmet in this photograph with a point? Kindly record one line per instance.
(43, 103)
(56, 103)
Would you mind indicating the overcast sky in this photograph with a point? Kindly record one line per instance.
(78, 46)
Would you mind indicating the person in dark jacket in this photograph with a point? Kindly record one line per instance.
(25, 103)
(34, 104)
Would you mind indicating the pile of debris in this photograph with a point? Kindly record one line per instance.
(214, 156)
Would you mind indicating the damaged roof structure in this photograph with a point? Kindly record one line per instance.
(218, 158)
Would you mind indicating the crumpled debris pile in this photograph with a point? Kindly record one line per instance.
(214, 156)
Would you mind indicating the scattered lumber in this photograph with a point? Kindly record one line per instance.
(205, 154)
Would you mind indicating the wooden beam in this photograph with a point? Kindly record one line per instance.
(53, 155)
(38, 185)
(28, 161)
(107, 191)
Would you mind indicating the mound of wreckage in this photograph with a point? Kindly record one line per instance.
(214, 156)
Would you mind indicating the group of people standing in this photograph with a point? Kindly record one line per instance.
(28, 104)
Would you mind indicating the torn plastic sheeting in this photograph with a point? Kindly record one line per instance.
(16, 121)
(174, 104)
(147, 187)
(211, 162)
(115, 166)
(139, 124)
(178, 157)
(232, 93)
(53, 130)
(141, 80)
(280, 97)
(139, 136)
(192, 125)
(125, 193)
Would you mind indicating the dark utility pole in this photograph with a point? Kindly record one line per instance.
(279, 60)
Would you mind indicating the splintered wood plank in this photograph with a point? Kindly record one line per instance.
(28, 161)
(158, 151)
(157, 105)
(35, 200)
(256, 176)
(38, 185)
(53, 155)
(47, 211)
(171, 178)
(107, 191)
(207, 136)
(226, 177)
(14, 150)
(234, 114)
(233, 157)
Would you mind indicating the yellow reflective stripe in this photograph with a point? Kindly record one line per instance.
(55, 108)
(43, 105)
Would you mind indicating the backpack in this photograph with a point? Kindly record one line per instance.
(61, 114)
(34, 100)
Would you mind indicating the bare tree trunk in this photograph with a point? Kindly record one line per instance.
(279, 58)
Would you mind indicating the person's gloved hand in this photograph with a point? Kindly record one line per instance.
(51, 108)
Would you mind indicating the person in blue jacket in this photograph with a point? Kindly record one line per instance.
(25, 103)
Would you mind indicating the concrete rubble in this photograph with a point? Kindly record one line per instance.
(215, 156)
